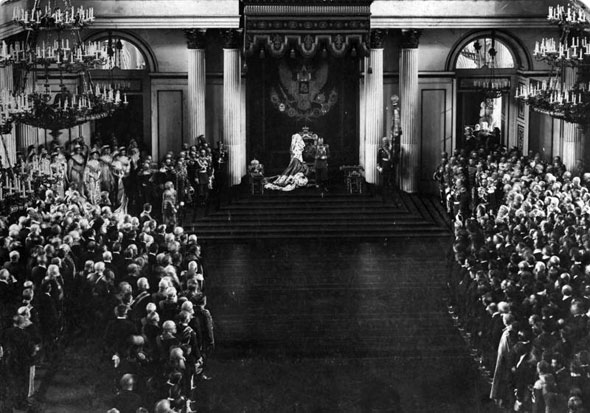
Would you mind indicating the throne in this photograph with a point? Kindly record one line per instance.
(311, 140)
(353, 178)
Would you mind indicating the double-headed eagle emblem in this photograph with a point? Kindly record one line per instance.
(302, 93)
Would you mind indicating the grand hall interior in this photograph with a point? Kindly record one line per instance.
(294, 206)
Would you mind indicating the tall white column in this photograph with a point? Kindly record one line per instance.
(362, 114)
(374, 104)
(232, 110)
(572, 136)
(242, 150)
(8, 148)
(196, 82)
(409, 111)
(85, 132)
(27, 136)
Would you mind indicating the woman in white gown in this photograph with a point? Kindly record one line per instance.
(295, 175)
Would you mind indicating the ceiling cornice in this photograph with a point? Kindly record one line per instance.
(404, 22)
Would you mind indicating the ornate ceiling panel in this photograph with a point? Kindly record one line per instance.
(308, 26)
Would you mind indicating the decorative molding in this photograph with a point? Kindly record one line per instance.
(142, 22)
(308, 24)
(377, 38)
(232, 38)
(300, 9)
(402, 22)
(195, 38)
(307, 45)
(365, 3)
(410, 38)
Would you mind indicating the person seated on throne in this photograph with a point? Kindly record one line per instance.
(295, 175)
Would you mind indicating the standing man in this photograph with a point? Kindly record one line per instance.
(219, 192)
(322, 153)
(385, 167)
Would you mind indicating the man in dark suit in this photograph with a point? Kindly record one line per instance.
(385, 165)
(40, 270)
(127, 400)
(17, 350)
(143, 297)
(322, 153)
(48, 319)
(118, 332)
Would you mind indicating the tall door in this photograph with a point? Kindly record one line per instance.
(170, 122)
(436, 128)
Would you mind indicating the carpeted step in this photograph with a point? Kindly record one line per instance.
(309, 215)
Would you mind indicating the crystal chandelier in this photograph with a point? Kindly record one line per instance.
(562, 96)
(6, 58)
(10, 107)
(491, 85)
(53, 46)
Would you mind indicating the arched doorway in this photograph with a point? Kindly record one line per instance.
(128, 68)
(478, 60)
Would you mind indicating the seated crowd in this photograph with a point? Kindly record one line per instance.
(71, 267)
(521, 282)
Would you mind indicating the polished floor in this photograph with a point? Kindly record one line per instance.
(337, 326)
(318, 326)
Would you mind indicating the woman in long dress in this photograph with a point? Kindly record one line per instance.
(107, 180)
(295, 175)
(169, 202)
(121, 196)
(59, 167)
(92, 178)
(76, 166)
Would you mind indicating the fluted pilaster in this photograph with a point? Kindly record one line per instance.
(8, 149)
(374, 104)
(27, 136)
(232, 111)
(196, 82)
(85, 132)
(362, 113)
(409, 111)
(571, 134)
(243, 161)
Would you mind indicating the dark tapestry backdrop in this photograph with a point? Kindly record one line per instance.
(286, 94)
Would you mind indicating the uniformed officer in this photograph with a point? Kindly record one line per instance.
(322, 154)
(385, 159)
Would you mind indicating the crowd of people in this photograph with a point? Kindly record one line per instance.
(74, 263)
(124, 177)
(521, 278)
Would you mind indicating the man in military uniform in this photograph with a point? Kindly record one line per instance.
(219, 191)
(385, 160)
(322, 153)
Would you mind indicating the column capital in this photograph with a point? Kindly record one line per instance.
(410, 38)
(232, 38)
(377, 38)
(195, 38)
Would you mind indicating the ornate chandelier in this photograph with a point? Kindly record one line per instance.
(565, 95)
(5, 57)
(10, 107)
(491, 85)
(53, 46)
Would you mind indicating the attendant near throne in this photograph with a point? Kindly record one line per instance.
(322, 153)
